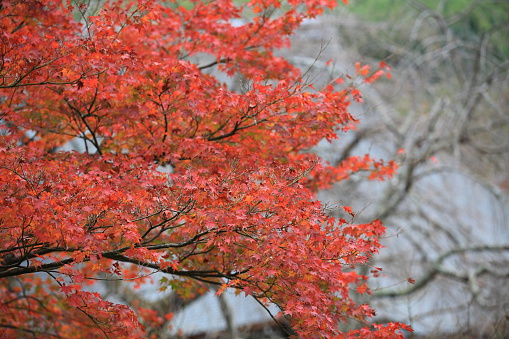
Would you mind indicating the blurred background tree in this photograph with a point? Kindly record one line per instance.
(444, 116)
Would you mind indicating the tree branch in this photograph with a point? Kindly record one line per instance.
(438, 269)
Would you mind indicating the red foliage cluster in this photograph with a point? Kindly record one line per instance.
(238, 208)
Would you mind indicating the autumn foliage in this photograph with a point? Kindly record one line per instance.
(235, 205)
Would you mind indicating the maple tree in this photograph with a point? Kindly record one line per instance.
(237, 208)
